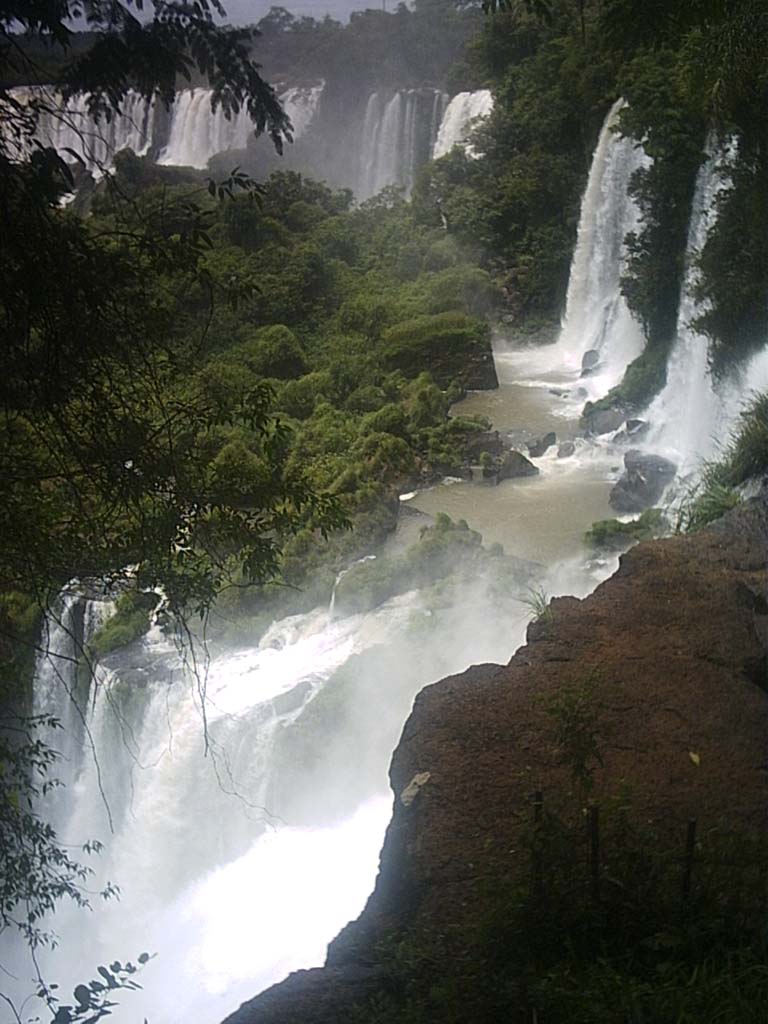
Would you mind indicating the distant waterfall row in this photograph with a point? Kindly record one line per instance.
(188, 135)
(398, 132)
(403, 130)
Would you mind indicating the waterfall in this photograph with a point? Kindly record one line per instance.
(239, 866)
(459, 118)
(69, 126)
(692, 415)
(695, 415)
(596, 317)
(398, 137)
(596, 314)
(195, 132)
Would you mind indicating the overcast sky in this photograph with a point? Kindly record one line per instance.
(246, 12)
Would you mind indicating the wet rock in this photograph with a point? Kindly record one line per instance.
(559, 392)
(643, 482)
(486, 441)
(604, 421)
(293, 699)
(538, 447)
(566, 449)
(632, 430)
(590, 359)
(635, 428)
(515, 464)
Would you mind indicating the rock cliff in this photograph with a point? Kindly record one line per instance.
(675, 645)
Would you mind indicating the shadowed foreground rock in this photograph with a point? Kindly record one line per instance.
(675, 644)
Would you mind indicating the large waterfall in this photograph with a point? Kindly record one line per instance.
(196, 133)
(695, 415)
(71, 129)
(189, 135)
(596, 318)
(461, 115)
(239, 865)
(596, 314)
(398, 136)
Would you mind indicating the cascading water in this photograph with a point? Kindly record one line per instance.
(596, 315)
(694, 416)
(70, 127)
(197, 133)
(241, 865)
(398, 136)
(460, 116)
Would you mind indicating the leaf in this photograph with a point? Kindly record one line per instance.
(82, 995)
(696, 758)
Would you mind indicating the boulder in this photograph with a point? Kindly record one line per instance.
(643, 482)
(486, 441)
(515, 464)
(590, 359)
(631, 430)
(635, 428)
(603, 421)
(566, 449)
(538, 447)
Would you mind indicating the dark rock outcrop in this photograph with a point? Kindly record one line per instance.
(566, 449)
(515, 464)
(484, 441)
(590, 359)
(631, 431)
(643, 482)
(676, 645)
(538, 447)
(603, 421)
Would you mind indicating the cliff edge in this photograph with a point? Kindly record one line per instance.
(674, 651)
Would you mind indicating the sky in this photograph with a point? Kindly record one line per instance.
(246, 12)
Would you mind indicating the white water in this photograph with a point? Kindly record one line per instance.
(196, 133)
(695, 415)
(398, 136)
(231, 895)
(70, 127)
(461, 116)
(596, 315)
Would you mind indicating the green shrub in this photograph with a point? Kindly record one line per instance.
(615, 535)
(747, 455)
(443, 343)
(130, 621)
(270, 352)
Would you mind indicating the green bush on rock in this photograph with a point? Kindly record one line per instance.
(614, 535)
(130, 621)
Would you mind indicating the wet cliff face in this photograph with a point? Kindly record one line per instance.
(674, 648)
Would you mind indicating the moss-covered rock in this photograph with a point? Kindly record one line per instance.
(130, 621)
(452, 345)
(615, 535)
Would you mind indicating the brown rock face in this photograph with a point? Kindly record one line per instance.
(675, 645)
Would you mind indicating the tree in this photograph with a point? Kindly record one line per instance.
(105, 425)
